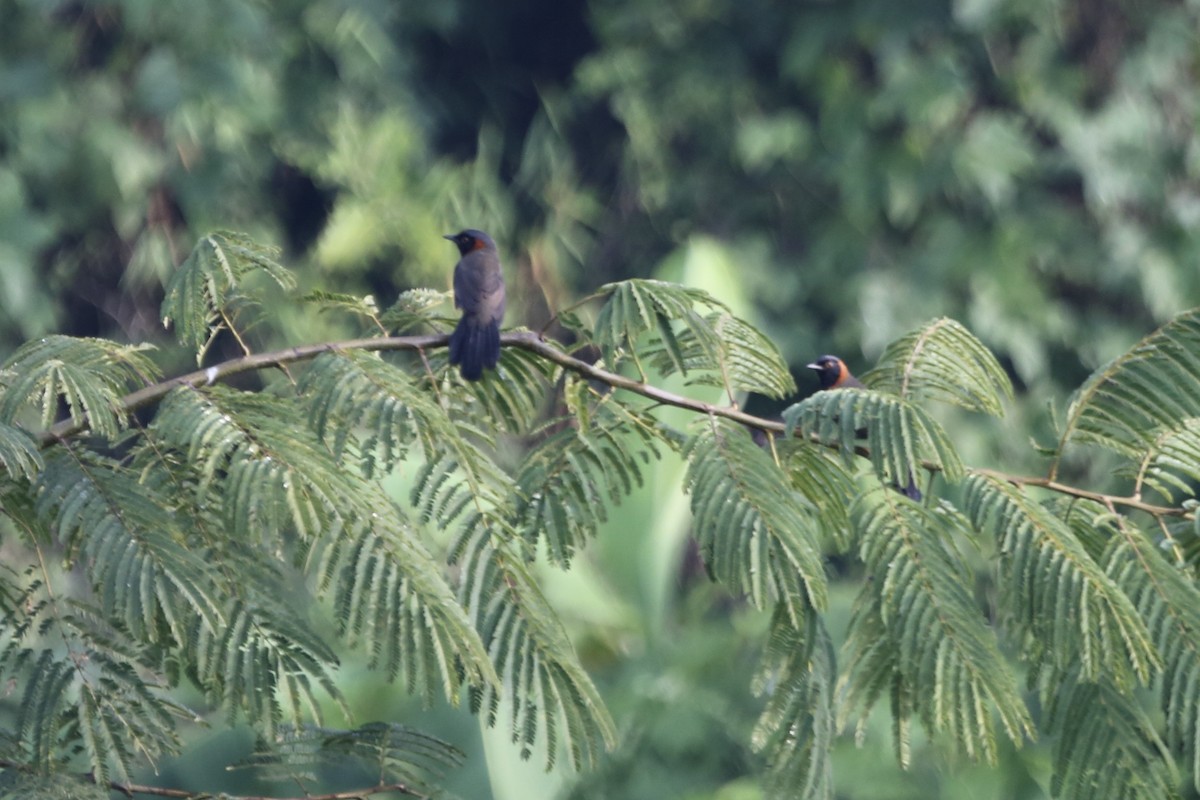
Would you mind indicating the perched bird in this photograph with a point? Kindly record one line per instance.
(833, 373)
(479, 292)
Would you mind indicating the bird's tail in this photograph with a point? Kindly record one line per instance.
(474, 346)
(910, 491)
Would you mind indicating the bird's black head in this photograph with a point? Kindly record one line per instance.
(831, 371)
(470, 240)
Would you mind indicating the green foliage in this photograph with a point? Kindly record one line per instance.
(391, 753)
(797, 728)
(16, 785)
(362, 404)
(208, 292)
(755, 533)
(551, 697)
(920, 627)
(901, 438)
(1108, 745)
(99, 696)
(412, 309)
(363, 307)
(88, 375)
(819, 475)
(418, 511)
(389, 594)
(737, 355)
(727, 352)
(512, 398)
(637, 307)
(943, 361)
(569, 478)
(272, 473)
(18, 452)
(1067, 611)
(1168, 599)
(141, 569)
(1144, 405)
(1025, 167)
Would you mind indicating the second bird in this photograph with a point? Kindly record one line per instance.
(479, 292)
(833, 374)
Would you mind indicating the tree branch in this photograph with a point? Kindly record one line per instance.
(534, 343)
(1110, 500)
(523, 339)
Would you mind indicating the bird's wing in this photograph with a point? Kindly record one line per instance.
(479, 285)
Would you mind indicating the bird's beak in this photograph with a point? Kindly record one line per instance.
(449, 236)
(814, 365)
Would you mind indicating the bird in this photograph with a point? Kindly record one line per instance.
(833, 373)
(479, 292)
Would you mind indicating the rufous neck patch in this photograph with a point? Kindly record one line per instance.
(843, 374)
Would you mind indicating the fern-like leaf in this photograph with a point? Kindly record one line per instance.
(901, 437)
(363, 307)
(253, 460)
(566, 483)
(796, 729)
(552, 697)
(1126, 405)
(119, 715)
(264, 661)
(89, 376)
(141, 572)
(390, 753)
(821, 477)
(209, 284)
(16, 784)
(722, 350)
(943, 361)
(19, 453)
(942, 656)
(876, 671)
(99, 697)
(636, 307)
(358, 394)
(1107, 746)
(1069, 611)
(1172, 462)
(413, 309)
(512, 397)
(1168, 600)
(755, 532)
(43, 709)
(390, 594)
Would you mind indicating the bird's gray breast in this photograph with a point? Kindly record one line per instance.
(479, 286)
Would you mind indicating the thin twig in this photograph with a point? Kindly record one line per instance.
(1086, 494)
(558, 314)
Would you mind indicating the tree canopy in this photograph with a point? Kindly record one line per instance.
(986, 208)
(181, 533)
